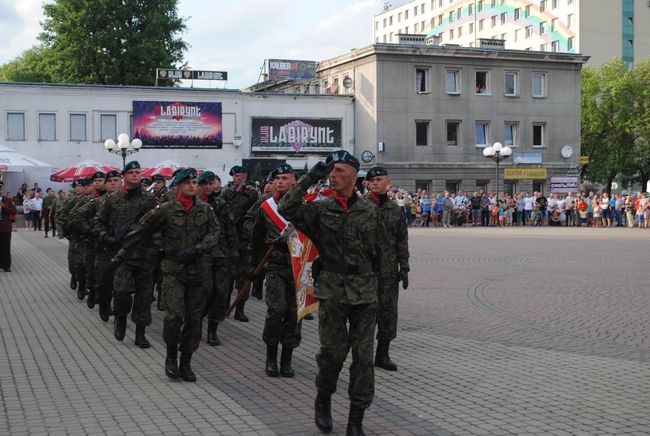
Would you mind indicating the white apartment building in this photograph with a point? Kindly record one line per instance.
(601, 29)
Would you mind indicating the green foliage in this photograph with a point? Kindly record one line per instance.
(33, 65)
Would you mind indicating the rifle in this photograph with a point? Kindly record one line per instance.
(127, 227)
(245, 288)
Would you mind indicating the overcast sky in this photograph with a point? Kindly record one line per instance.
(234, 35)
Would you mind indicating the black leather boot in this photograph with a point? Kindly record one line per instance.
(285, 363)
(271, 367)
(185, 370)
(91, 299)
(73, 282)
(171, 362)
(213, 339)
(140, 340)
(323, 412)
(81, 290)
(120, 328)
(258, 285)
(239, 312)
(382, 360)
(104, 311)
(355, 422)
(159, 302)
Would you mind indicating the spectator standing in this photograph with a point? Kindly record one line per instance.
(27, 210)
(22, 194)
(597, 211)
(606, 211)
(475, 204)
(436, 212)
(37, 209)
(485, 210)
(570, 203)
(642, 210)
(528, 208)
(426, 210)
(542, 203)
(630, 210)
(447, 208)
(7, 209)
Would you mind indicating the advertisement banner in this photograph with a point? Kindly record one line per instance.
(527, 157)
(564, 185)
(524, 173)
(300, 135)
(282, 69)
(169, 124)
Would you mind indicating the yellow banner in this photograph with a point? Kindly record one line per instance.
(524, 173)
(584, 160)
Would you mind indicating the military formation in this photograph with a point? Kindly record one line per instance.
(193, 245)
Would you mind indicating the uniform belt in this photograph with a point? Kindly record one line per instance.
(345, 269)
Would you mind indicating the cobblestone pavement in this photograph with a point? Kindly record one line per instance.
(503, 331)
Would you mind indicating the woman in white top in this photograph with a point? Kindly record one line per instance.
(27, 210)
(604, 205)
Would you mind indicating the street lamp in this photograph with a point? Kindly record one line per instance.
(497, 152)
(122, 146)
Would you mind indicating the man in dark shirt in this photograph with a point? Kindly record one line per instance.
(542, 204)
(475, 203)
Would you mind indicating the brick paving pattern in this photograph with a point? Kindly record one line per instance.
(503, 331)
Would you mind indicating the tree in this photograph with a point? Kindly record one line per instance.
(33, 65)
(119, 42)
(642, 149)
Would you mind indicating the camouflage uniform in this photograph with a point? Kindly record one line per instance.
(62, 223)
(187, 286)
(350, 245)
(78, 222)
(247, 229)
(134, 275)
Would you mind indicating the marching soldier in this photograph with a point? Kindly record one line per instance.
(158, 185)
(281, 325)
(349, 234)
(189, 233)
(145, 183)
(133, 277)
(62, 222)
(79, 239)
(396, 268)
(159, 190)
(224, 253)
(240, 197)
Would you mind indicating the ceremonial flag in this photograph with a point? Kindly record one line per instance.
(303, 253)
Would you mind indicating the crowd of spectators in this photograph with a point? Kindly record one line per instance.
(39, 210)
(444, 209)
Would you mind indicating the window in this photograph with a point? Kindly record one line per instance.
(553, 4)
(570, 44)
(504, 17)
(555, 46)
(538, 134)
(108, 126)
(494, 20)
(415, 11)
(542, 27)
(480, 6)
(421, 133)
(453, 81)
(416, 28)
(460, 31)
(470, 9)
(553, 24)
(433, 22)
(399, 17)
(538, 186)
(15, 126)
(516, 13)
(451, 186)
(539, 84)
(46, 127)
(451, 33)
(406, 14)
(422, 26)
(471, 28)
(516, 35)
(453, 128)
(390, 38)
(529, 31)
(422, 8)
(493, 3)
(77, 127)
(511, 85)
(542, 5)
(376, 25)
(451, 16)
(385, 38)
(422, 80)
(510, 134)
(390, 20)
(527, 11)
(542, 47)
(482, 83)
(569, 21)
(481, 23)
(459, 13)
(384, 23)
(482, 128)
(406, 29)
(440, 19)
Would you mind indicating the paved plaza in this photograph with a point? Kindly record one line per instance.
(540, 331)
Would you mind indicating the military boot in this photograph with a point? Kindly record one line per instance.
(355, 422)
(171, 362)
(81, 290)
(323, 412)
(382, 360)
(140, 340)
(104, 311)
(120, 327)
(285, 363)
(258, 290)
(159, 301)
(271, 368)
(185, 370)
(213, 339)
(239, 312)
(73, 282)
(91, 299)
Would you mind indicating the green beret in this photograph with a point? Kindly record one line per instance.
(299, 173)
(99, 175)
(206, 177)
(112, 173)
(145, 181)
(343, 156)
(74, 184)
(85, 181)
(217, 177)
(376, 171)
(133, 165)
(158, 178)
(237, 169)
(185, 174)
(283, 168)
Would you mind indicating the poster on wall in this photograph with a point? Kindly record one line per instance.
(282, 69)
(174, 124)
(299, 135)
(564, 185)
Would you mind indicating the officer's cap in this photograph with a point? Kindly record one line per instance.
(283, 168)
(112, 173)
(185, 174)
(99, 175)
(145, 181)
(134, 164)
(206, 177)
(343, 156)
(376, 171)
(237, 169)
(158, 178)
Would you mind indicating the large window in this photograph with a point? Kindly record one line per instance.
(108, 126)
(422, 80)
(15, 126)
(482, 130)
(453, 82)
(422, 133)
(46, 127)
(511, 84)
(77, 127)
(453, 130)
(510, 134)
(482, 82)
(538, 134)
(539, 85)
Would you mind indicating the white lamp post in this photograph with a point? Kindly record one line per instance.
(497, 152)
(122, 146)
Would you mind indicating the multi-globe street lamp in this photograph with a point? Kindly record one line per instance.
(122, 146)
(497, 152)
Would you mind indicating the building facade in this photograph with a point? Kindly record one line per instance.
(601, 29)
(426, 113)
(66, 124)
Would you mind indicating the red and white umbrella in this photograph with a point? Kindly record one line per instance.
(165, 168)
(80, 171)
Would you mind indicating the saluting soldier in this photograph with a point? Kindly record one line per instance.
(281, 325)
(189, 232)
(62, 222)
(133, 277)
(349, 234)
(396, 268)
(240, 197)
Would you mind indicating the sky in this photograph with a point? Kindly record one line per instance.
(233, 36)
